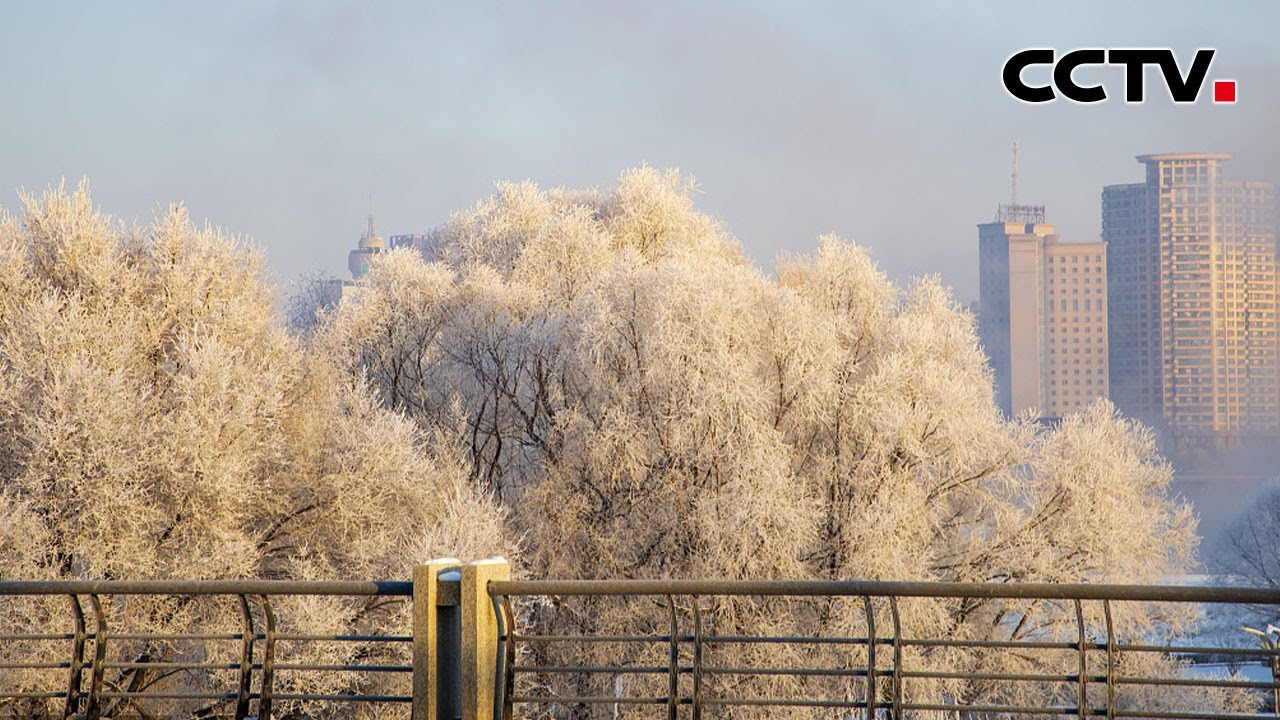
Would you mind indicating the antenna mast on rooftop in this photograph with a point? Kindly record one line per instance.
(1015, 211)
(1013, 176)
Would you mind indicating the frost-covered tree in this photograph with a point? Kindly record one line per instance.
(308, 297)
(155, 422)
(650, 404)
(1248, 550)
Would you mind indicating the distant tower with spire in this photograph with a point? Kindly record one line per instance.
(370, 244)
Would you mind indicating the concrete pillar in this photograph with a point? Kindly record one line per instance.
(480, 638)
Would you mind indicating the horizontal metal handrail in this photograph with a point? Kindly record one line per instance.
(892, 588)
(205, 587)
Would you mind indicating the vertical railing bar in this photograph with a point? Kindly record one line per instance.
(871, 655)
(509, 678)
(673, 660)
(72, 706)
(897, 657)
(246, 660)
(268, 660)
(1275, 675)
(94, 710)
(1082, 667)
(1111, 661)
(697, 660)
(500, 657)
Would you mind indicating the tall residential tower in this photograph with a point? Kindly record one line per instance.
(1193, 307)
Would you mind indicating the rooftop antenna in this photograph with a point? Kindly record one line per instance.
(1013, 176)
(370, 231)
(1015, 212)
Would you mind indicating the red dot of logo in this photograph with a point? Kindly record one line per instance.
(1224, 91)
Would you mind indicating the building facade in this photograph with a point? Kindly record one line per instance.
(419, 242)
(1192, 270)
(1042, 313)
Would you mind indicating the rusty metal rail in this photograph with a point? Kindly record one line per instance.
(676, 657)
(250, 683)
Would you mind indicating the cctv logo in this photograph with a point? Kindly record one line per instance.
(1183, 88)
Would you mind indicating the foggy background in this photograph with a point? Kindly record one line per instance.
(885, 124)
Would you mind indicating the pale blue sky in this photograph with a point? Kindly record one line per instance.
(885, 123)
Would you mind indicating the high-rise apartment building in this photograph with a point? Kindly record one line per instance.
(1193, 307)
(1042, 313)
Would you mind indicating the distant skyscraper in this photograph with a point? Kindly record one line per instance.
(370, 244)
(1042, 313)
(1193, 278)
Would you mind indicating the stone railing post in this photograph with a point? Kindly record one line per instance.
(480, 637)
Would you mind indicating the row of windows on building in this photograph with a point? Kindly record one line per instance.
(1090, 324)
(1089, 305)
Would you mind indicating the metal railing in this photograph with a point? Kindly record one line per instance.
(99, 680)
(474, 645)
(668, 646)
